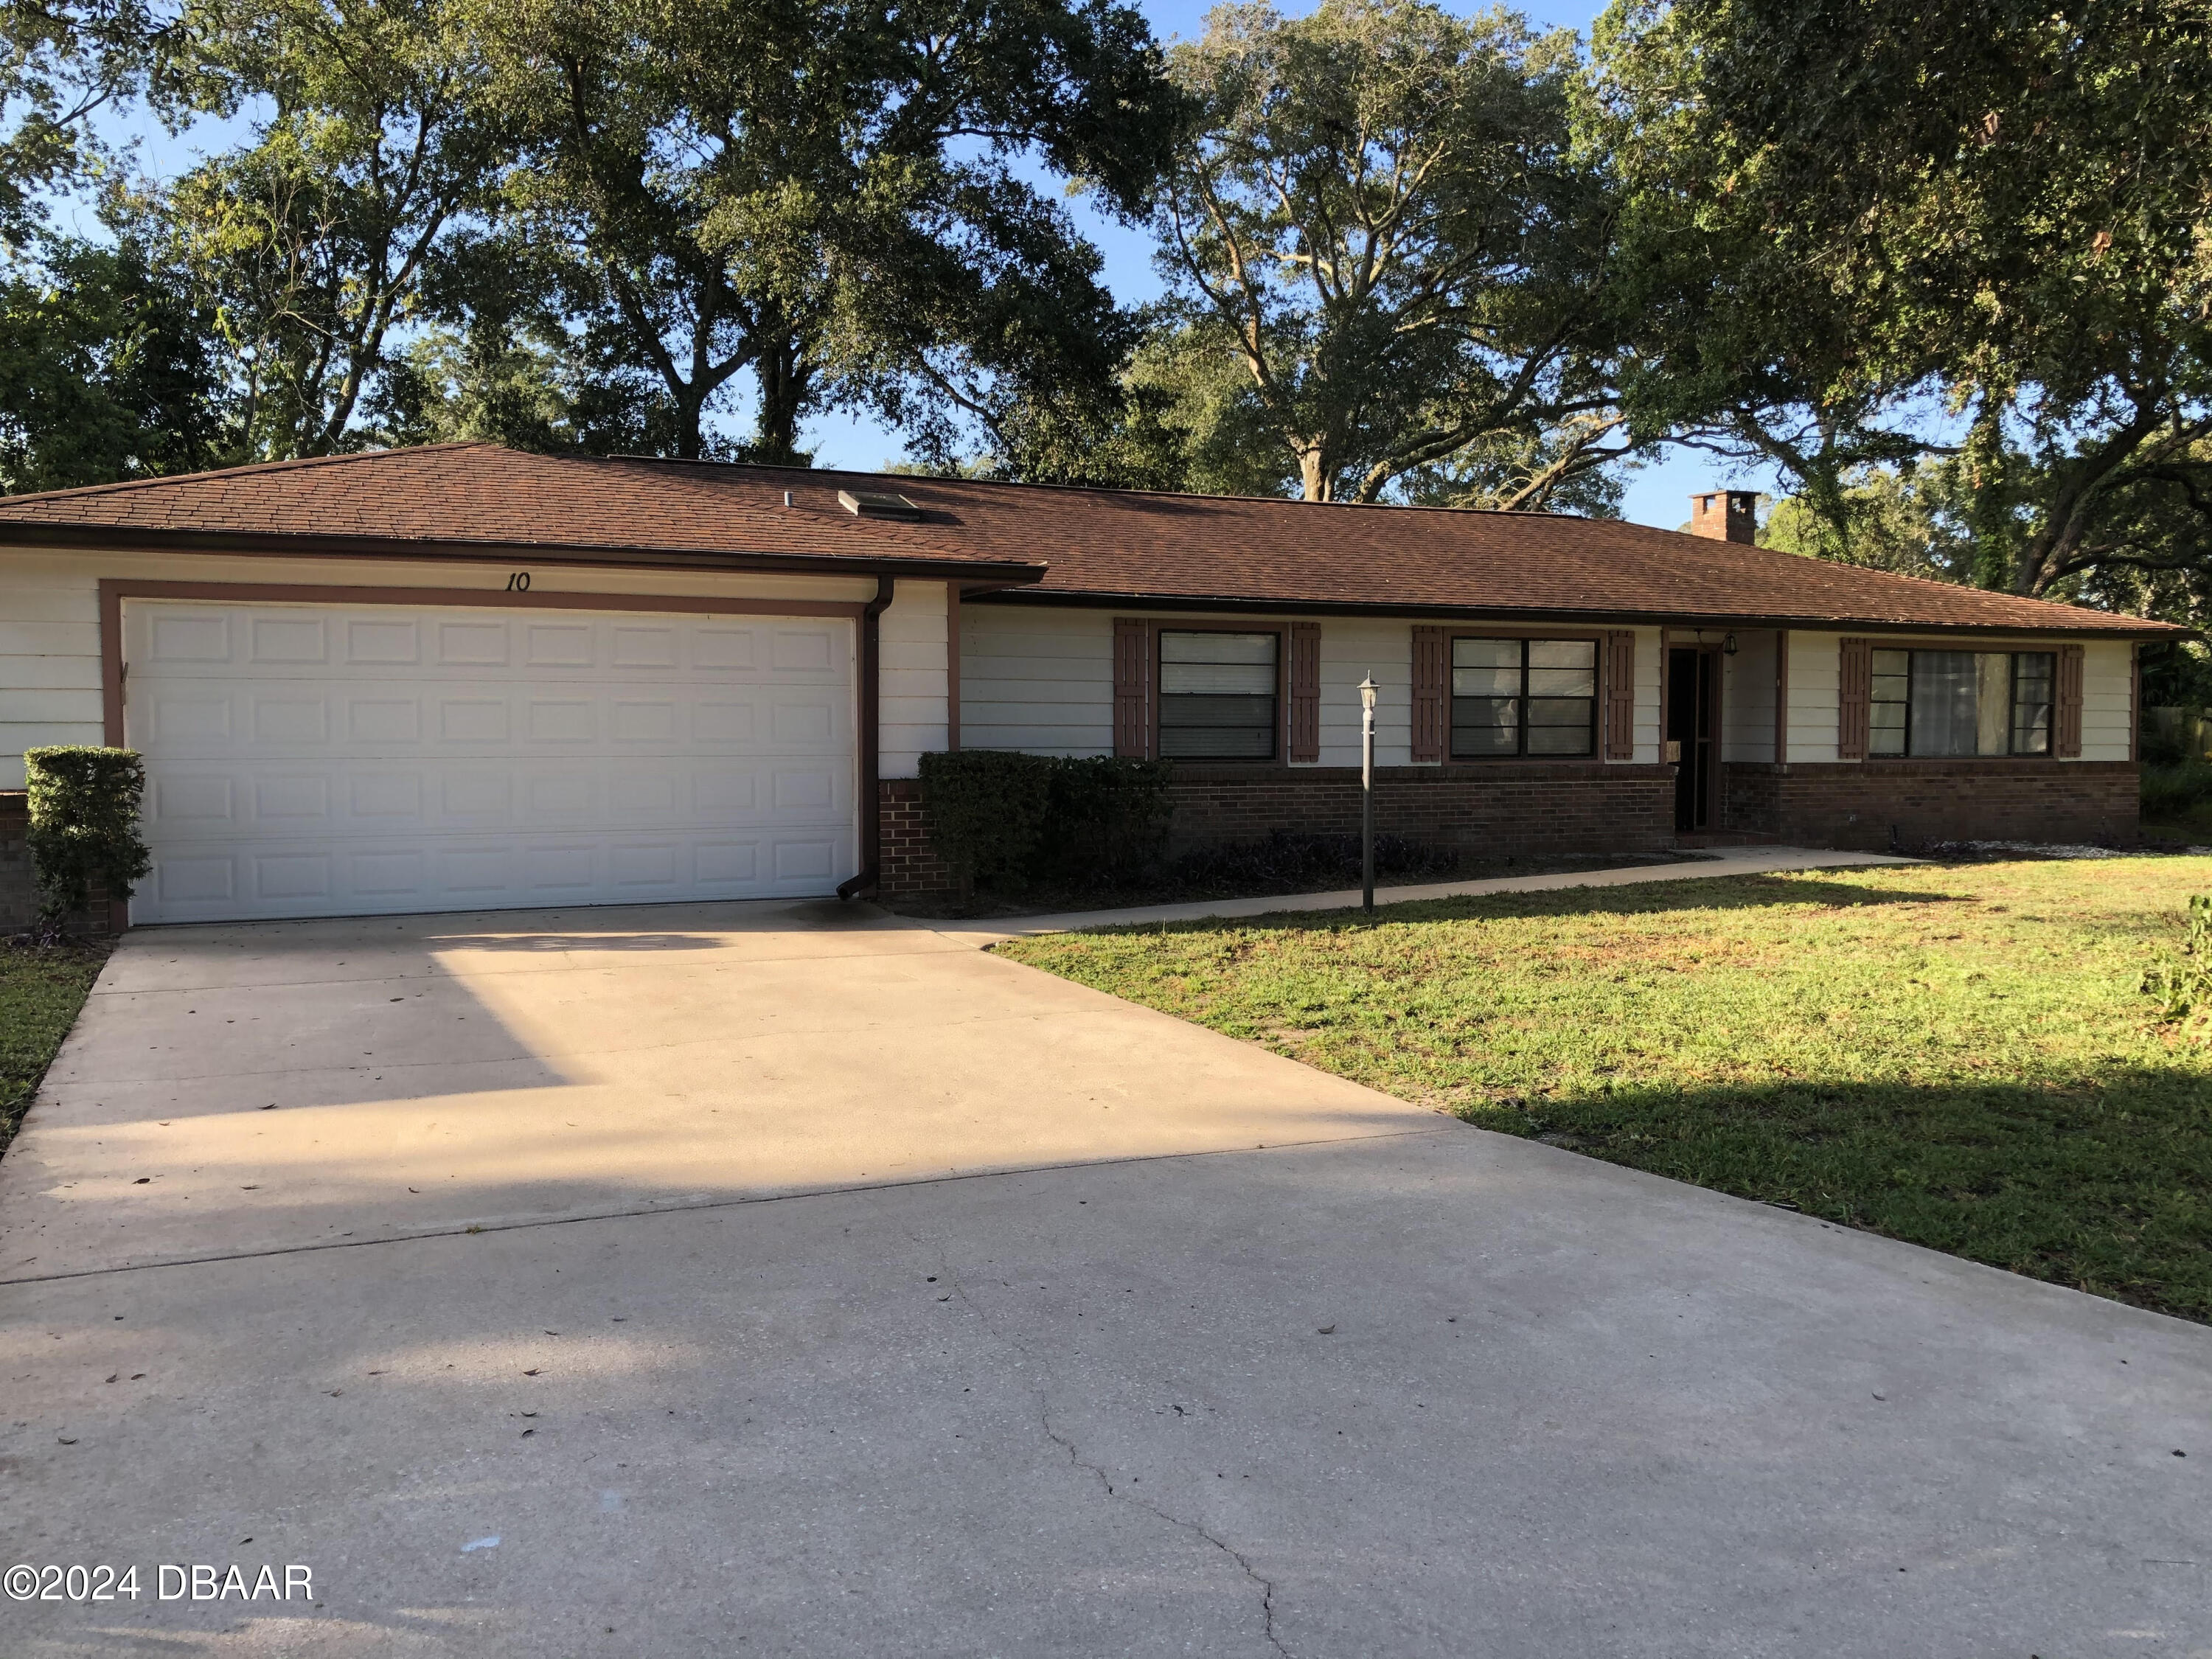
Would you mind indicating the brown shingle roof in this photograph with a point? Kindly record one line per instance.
(459, 498)
(1103, 545)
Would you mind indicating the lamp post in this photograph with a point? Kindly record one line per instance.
(1367, 689)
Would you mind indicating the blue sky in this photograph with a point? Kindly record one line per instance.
(1658, 489)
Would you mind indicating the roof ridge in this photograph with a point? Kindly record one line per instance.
(294, 463)
(1111, 490)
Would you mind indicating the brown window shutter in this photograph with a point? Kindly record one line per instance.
(1133, 674)
(1620, 695)
(2066, 718)
(1305, 691)
(1855, 694)
(1431, 693)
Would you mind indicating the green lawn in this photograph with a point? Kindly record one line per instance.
(1958, 1056)
(40, 991)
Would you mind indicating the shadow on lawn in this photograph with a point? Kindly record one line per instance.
(2101, 1181)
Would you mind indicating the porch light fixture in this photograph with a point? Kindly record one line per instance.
(1728, 645)
(1367, 690)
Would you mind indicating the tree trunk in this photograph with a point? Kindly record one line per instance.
(1317, 478)
(687, 402)
(785, 380)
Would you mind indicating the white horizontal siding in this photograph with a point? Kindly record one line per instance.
(916, 682)
(1036, 680)
(1351, 649)
(1815, 669)
(50, 616)
(73, 671)
(44, 639)
(49, 658)
(2108, 715)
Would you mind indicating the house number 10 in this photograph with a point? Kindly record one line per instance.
(519, 582)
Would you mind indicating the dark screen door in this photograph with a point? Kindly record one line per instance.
(1692, 694)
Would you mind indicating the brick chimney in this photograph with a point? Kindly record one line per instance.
(1726, 515)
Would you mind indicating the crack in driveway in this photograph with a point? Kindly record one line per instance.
(1077, 1459)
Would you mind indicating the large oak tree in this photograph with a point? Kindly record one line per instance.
(838, 197)
(1999, 208)
(1385, 230)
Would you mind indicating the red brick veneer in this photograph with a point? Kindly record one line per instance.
(1523, 807)
(907, 861)
(1857, 804)
(1511, 807)
(19, 897)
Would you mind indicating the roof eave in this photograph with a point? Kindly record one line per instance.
(2131, 627)
(290, 545)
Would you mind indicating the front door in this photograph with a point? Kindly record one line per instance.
(1693, 696)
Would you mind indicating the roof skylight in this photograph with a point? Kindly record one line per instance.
(877, 504)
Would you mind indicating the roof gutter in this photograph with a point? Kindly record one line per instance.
(871, 690)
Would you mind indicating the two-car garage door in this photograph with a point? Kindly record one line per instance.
(308, 760)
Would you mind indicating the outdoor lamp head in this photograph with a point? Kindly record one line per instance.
(1367, 690)
(1728, 645)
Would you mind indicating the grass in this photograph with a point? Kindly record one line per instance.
(1960, 1055)
(40, 991)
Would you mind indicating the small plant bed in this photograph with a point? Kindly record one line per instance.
(1984, 1057)
(1277, 868)
(42, 989)
(2176, 802)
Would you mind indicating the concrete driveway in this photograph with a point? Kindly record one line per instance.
(791, 1279)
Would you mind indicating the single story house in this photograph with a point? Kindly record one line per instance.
(462, 677)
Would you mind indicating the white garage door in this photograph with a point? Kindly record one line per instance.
(345, 760)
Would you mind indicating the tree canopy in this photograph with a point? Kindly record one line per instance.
(832, 197)
(1383, 220)
(1858, 211)
(1947, 273)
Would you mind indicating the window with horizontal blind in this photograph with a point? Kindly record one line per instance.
(1960, 702)
(1218, 694)
(1524, 697)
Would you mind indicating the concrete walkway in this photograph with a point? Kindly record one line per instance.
(1736, 861)
(843, 1289)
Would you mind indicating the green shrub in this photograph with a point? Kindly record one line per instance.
(1105, 817)
(2159, 746)
(2170, 792)
(1003, 819)
(986, 809)
(84, 827)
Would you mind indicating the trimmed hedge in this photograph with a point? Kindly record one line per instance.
(1105, 816)
(1001, 818)
(83, 831)
(986, 809)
